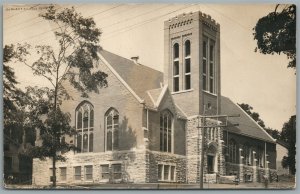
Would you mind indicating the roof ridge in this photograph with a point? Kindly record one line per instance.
(139, 64)
(226, 102)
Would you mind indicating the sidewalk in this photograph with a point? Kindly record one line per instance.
(162, 186)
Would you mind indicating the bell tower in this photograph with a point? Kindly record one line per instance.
(192, 62)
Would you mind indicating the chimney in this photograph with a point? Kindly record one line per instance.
(135, 59)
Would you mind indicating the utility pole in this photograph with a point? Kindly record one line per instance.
(203, 128)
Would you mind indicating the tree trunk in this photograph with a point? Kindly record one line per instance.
(55, 136)
(53, 171)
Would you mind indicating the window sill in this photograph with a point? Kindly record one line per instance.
(207, 92)
(166, 181)
(183, 91)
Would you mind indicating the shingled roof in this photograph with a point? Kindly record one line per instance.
(140, 78)
(144, 81)
(247, 126)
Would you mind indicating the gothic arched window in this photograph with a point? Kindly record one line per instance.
(112, 129)
(166, 120)
(187, 65)
(176, 67)
(84, 127)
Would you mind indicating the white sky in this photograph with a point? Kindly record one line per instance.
(263, 81)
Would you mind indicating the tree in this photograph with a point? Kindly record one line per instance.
(276, 33)
(74, 61)
(273, 132)
(14, 100)
(288, 135)
(15, 129)
(248, 109)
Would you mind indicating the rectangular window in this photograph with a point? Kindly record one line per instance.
(166, 172)
(63, 174)
(204, 65)
(187, 65)
(51, 174)
(176, 68)
(77, 173)
(160, 169)
(117, 171)
(176, 76)
(172, 173)
(211, 67)
(176, 84)
(105, 171)
(188, 82)
(88, 172)
(187, 74)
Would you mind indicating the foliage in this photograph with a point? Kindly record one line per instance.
(248, 109)
(14, 100)
(288, 135)
(276, 33)
(273, 132)
(73, 62)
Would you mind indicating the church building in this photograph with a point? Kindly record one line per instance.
(154, 127)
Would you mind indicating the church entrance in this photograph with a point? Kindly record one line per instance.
(210, 164)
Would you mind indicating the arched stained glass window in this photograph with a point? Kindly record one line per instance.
(84, 127)
(112, 129)
(166, 127)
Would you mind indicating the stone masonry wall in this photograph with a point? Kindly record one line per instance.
(194, 148)
(154, 158)
(257, 173)
(133, 160)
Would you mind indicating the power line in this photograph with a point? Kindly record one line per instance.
(128, 28)
(31, 19)
(121, 21)
(229, 18)
(126, 19)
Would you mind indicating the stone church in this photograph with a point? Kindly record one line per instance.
(152, 127)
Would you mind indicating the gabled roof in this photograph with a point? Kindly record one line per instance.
(139, 78)
(247, 126)
(282, 143)
(152, 97)
(155, 97)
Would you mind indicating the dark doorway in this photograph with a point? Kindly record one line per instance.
(210, 164)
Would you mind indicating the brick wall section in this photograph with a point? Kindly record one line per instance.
(114, 96)
(155, 158)
(191, 27)
(178, 126)
(135, 167)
